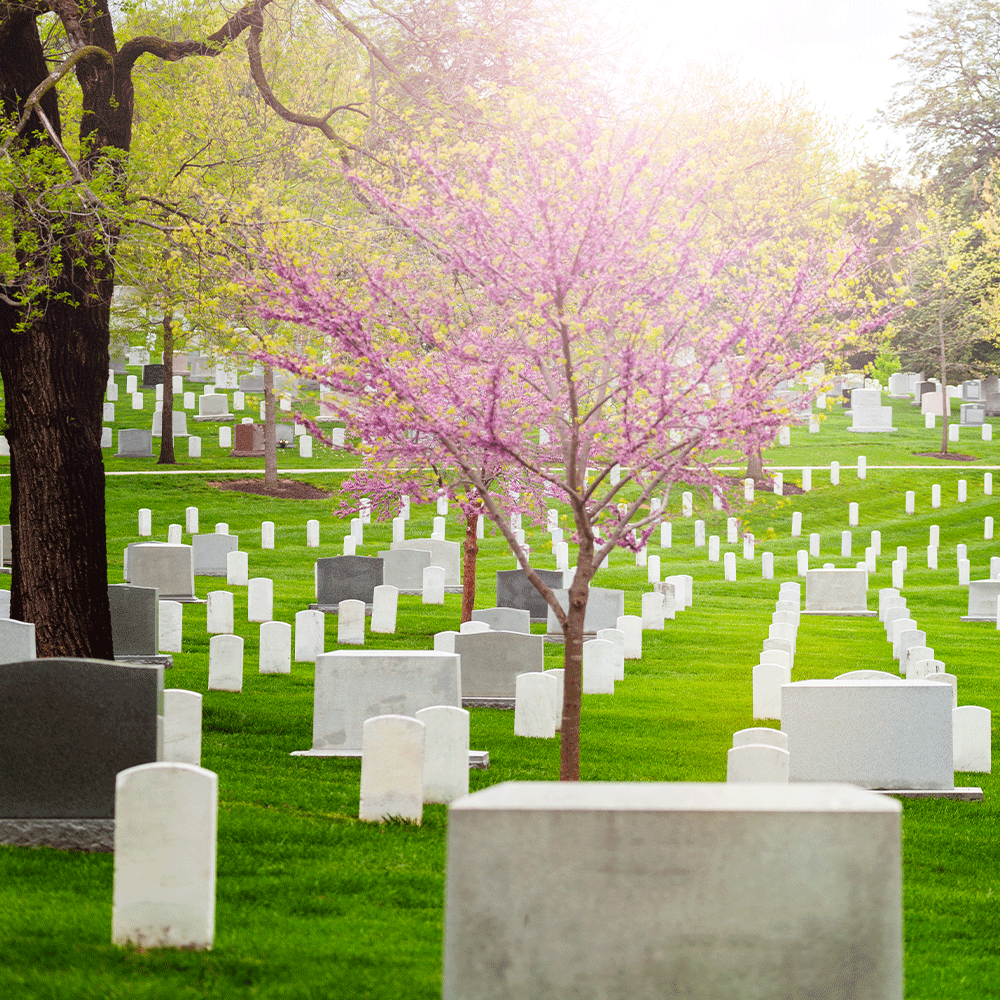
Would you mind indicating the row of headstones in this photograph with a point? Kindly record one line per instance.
(777, 657)
(909, 644)
(137, 442)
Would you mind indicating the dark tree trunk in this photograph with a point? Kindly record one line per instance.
(270, 430)
(943, 359)
(54, 375)
(469, 553)
(167, 415)
(579, 591)
(755, 467)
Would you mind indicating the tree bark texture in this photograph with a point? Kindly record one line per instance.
(167, 416)
(944, 381)
(270, 430)
(470, 553)
(569, 747)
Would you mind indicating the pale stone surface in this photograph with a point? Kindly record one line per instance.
(165, 847)
(312, 534)
(645, 890)
(351, 623)
(392, 769)
(972, 738)
(603, 608)
(260, 599)
(275, 648)
(900, 625)
(534, 708)
(631, 627)
(599, 657)
(237, 568)
(559, 677)
(310, 634)
(504, 619)
(867, 675)
(443, 553)
(767, 681)
(778, 656)
(384, 603)
(434, 584)
(907, 638)
(17, 640)
(943, 677)
(652, 611)
(444, 642)
(225, 663)
(473, 627)
(171, 627)
(729, 566)
(355, 684)
(446, 752)
(617, 637)
(652, 569)
(220, 611)
(267, 534)
(757, 763)
(876, 734)
(182, 726)
(760, 735)
(836, 591)
(492, 660)
(669, 591)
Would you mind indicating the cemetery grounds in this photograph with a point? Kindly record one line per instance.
(313, 903)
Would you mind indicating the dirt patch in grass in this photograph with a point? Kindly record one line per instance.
(950, 456)
(287, 489)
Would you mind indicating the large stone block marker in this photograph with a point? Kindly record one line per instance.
(649, 890)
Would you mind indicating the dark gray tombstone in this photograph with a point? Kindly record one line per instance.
(346, 578)
(404, 569)
(135, 624)
(135, 442)
(69, 727)
(252, 383)
(491, 662)
(152, 376)
(6, 551)
(921, 388)
(117, 364)
(210, 551)
(248, 441)
(515, 590)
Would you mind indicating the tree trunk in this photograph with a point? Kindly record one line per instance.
(469, 552)
(54, 373)
(944, 382)
(755, 466)
(270, 430)
(167, 415)
(579, 591)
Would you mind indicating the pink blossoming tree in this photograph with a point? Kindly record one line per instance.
(578, 312)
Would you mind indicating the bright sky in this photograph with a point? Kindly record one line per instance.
(840, 50)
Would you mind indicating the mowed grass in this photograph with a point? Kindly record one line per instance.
(312, 903)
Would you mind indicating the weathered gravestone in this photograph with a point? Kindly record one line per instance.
(252, 383)
(443, 553)
(214, 407)
(515, 590)
(248, 441)
(837, 592)
(983, 596)
(491, 662)
(179, 422)
(152, 375)
(404, 569)
(168, 568)
(135, 442)
(17, 639)
(358, 684)
(972, 414)
(642, 889)
(346, 578)
(603, 609)
(135, 624)
(210, 553)
(504, 619)
(69, 726)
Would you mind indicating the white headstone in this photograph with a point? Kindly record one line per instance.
(446, 752)
(385, 599)
(225, 663)
(312, 534)
(392, 769)
(534, 704)
(145, 522)
(972, 738)
(351, 622)
(182, 726)
(599, 658)
(758, 763)
(631, 627)
(219, 612)
(275, 648)
(260, 599)
(310, 627)
(652, 610)
(171, 626)
(237, 568)
(433, 585)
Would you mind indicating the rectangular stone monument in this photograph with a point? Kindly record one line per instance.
(358, 684)
(168, 568)
(643, 890)
(603, 609)
(983, 596)
(69, 727)
(504, 619)
(871, 733)
(252, 383)
(215, 408)
(152, 375)
(135, 624)
(135, 442)
(972, 415)
(515, 590)
(248, 441)
(404, 569)
(491, 662)
(443, 553)
(868, 415)
(837, 592)
(210, 553)
(346, 578)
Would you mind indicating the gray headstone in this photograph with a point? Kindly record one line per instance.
(491, 662)
(152, 375)
(168, 568)
(201, 370)
(135, 442)
(135, 625)
(443, 553)
(252, 383)
(504, 619)
(603, 609)
(6, 550)
(284, 434)
(214, 407)
(346, 578)
(210, 553)
(972, 414)
(515, 590)
(17, 640)
(117, 364)
(404, 569)
(69, 726)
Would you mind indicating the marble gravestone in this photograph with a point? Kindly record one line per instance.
(443, 553)
(346, 578)
(404, 569)
(358, 684)
(135, 442)
(491, 662)
(504, 619)
(515, 590)
(210, 551)
(983, 596)
(168, 568)
(69, 727)
(604, 607)
(837, 592)
(135, 624)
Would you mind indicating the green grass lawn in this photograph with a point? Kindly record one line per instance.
(313, 903)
